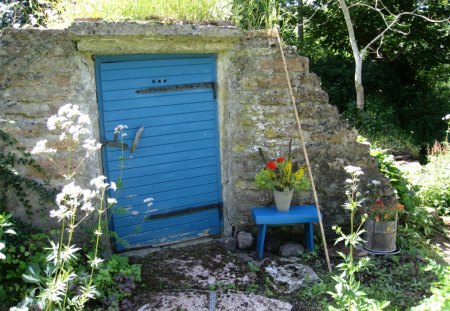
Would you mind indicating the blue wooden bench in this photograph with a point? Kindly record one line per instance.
(300, 214)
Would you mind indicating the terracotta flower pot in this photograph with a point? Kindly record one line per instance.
(283, 200)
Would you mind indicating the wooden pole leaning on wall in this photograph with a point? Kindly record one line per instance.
(305, 153)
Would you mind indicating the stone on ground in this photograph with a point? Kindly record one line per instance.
(229, 244)
(186, 301)
(249, 302)
(203, 301)
(203, 275)
(288, 275)
(291, 249)
(244, 240)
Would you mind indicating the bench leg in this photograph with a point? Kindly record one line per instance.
(309, 234)
(260, 240)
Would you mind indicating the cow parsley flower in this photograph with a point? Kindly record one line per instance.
(70, 121)
(99, 182)
(119, 128)
(148, 201)
(42, 148)
(91, 145)
(447, 117)
(111, 201)
(353, 170)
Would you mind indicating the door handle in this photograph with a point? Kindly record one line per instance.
(114, 143)
(136, 139)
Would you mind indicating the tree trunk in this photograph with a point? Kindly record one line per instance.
(356, 55)
(358, 84)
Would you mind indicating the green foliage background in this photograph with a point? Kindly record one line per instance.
(406, 80)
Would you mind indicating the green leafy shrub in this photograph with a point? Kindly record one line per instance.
(14, 13)
(434, 178)
(22, 250)
(435, 183)
(440, 299)
(116, 281)
(379, 124)
(416, 221)
(349, 294)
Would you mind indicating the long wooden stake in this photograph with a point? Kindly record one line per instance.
(300, 131)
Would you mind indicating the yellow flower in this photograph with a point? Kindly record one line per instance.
(299, 174)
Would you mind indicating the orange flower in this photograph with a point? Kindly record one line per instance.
(386, 216)
(401, 207)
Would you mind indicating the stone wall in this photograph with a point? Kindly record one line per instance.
(45, 69)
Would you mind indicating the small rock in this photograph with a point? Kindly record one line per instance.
(272, 244)
(229, 244)
(291, 249)
(244, 240)
(289, 275)
(249, 302)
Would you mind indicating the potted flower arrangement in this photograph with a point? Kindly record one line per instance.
(381, 224)
(282, 176)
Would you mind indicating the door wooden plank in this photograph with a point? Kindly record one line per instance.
(156, 72)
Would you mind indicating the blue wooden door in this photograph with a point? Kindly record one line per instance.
(176, 161)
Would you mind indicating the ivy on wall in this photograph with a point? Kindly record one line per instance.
(13, 159)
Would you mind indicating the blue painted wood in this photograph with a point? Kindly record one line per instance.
(203, 229)
(123, 214)
(156, 72)
(146, 83)
(187, 192)
(300, 214)
(160, 224)
(177, 160)
(296, 214)
(132, 112)
(134, 124)
(166, 168)
(161, 100)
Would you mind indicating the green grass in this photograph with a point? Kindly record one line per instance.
(119, 10)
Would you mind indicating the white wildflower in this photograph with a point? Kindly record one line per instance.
(98, 232)
(96, 262)
(353, 170)
(70, 121)
(53, 256)
(111, 201)
(148, 201)
(69, 252)
(2, 245)
(119, 128)
(87, 207)
(42, 148)
(447, 117)
(375, 182)
(91, 145)
(60, 213)
(89, 292)
(113, 186)
(99, 182)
